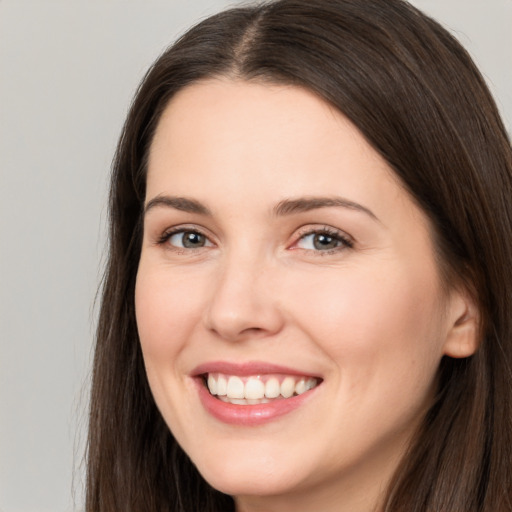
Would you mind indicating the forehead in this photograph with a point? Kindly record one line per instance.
(270, 141)
(249, 113)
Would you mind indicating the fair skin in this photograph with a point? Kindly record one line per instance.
(343, 291)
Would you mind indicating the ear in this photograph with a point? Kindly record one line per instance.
(462, 339)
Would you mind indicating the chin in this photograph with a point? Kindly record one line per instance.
(243, 480)
(257, 486)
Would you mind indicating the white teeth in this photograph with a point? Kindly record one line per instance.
(235, 388)
(272, 388)
(237, 401)
(300, 387)
(212, 385)
(310, 384)
(255, 401)
(222, 385)
(288, 387)
(255, 389)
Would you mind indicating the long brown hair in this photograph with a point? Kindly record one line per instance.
(415, 95)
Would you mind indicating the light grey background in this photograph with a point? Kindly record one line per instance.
(68, 70)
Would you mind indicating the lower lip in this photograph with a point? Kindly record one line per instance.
(249, 415)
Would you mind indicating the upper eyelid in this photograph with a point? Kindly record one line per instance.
(166, 234)
(187, 227)
(322, 228)
(346, 240)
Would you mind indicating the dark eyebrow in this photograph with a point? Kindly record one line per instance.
(183, 204)
(285, 207)
(305, 204)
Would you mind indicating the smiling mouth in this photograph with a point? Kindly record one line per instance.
(257, 389)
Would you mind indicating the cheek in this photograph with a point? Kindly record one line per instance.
(382, 338)
(167, 309)
(381, 329)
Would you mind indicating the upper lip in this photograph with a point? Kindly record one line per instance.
(247, 368)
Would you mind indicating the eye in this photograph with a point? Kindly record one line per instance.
(187, 239)
(323, 240)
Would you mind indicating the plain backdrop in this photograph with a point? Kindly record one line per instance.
(68, 70)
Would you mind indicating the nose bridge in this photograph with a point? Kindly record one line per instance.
(242, 302)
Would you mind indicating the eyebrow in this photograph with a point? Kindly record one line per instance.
(305, 204)
(283, 208)
(183, 204)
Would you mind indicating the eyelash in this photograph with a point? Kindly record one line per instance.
(166, 236)
(344, 241)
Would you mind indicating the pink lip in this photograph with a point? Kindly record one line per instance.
(247, 415)
(245, 369)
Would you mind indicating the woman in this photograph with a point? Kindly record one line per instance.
(307, 301)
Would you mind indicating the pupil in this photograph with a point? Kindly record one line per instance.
(324, 242)
(193, 240)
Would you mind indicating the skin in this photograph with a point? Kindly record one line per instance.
(371, 319)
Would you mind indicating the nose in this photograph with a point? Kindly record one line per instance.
(243, 302)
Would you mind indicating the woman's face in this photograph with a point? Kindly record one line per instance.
(282, 261)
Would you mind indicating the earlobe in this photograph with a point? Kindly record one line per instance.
(463, 337)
